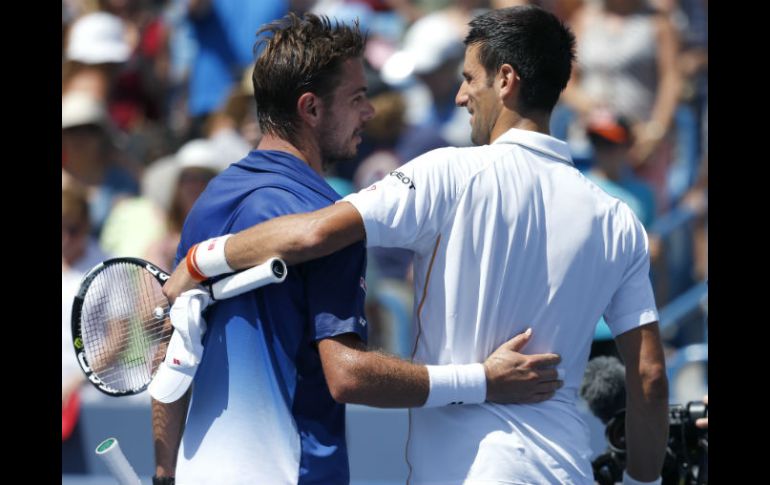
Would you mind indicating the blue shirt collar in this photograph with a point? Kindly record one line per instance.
(288, 165)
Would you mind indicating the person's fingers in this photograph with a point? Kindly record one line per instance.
(519, 341)
(544, 360)
(549, 386)
(548, 374)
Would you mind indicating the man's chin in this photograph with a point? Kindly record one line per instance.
(478, 137)
(335, 158)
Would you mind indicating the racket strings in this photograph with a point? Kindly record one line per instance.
(153, 332)
(125, 322)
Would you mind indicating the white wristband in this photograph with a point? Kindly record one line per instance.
(210, 257)
(630, 481)
(456, 384)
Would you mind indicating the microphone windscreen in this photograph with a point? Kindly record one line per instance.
(604, 387)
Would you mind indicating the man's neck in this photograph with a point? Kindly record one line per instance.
(510, 119)
(311, 154)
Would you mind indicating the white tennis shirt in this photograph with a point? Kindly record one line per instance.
(507, 236)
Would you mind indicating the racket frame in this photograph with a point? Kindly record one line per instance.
(77, 310)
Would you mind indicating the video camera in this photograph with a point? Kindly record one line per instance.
(686, 459)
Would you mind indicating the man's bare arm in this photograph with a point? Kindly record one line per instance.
(167, 427)
(295, 238)
(646, 401)
(358, 376)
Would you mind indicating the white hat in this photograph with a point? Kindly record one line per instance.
(97, 38)
(429, 42)
(81, 108)
(171, 382)
(159, 179)
(199, 153)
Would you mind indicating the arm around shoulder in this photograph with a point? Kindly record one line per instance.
(296, 238)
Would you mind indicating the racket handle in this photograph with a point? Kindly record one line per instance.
(271, 271)
(109, 451)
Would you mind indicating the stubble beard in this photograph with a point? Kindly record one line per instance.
(332, 151)
(479, 136)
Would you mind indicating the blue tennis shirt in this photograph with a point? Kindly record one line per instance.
(261, 411)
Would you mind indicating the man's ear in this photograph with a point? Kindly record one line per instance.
(310, 109)
(508, 81)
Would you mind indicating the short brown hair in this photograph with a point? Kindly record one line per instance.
(300, 55)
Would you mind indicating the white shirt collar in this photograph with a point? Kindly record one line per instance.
(533, 140)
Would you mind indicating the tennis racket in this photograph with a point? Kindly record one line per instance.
(120, 324)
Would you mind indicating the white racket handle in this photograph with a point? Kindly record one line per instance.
(109, 451)
(271, 271)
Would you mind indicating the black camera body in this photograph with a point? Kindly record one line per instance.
(686, 459)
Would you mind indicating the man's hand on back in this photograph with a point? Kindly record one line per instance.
(516, 378)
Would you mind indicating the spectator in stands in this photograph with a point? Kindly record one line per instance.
(432, 53)
(79, 253)
(96, 47)
(224, 32)
(199, 162)
(233, 129)
(697, 200)
(627, 63)
(142, 227)
(612, 138)
(90, 156)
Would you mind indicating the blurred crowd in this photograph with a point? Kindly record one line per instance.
(157, 99)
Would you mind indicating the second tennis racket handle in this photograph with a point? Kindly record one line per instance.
(271, 271)
(109, 451)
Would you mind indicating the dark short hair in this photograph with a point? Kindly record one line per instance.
(535, 43)
(300, 55)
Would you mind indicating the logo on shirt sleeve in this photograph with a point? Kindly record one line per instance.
(403, 178)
